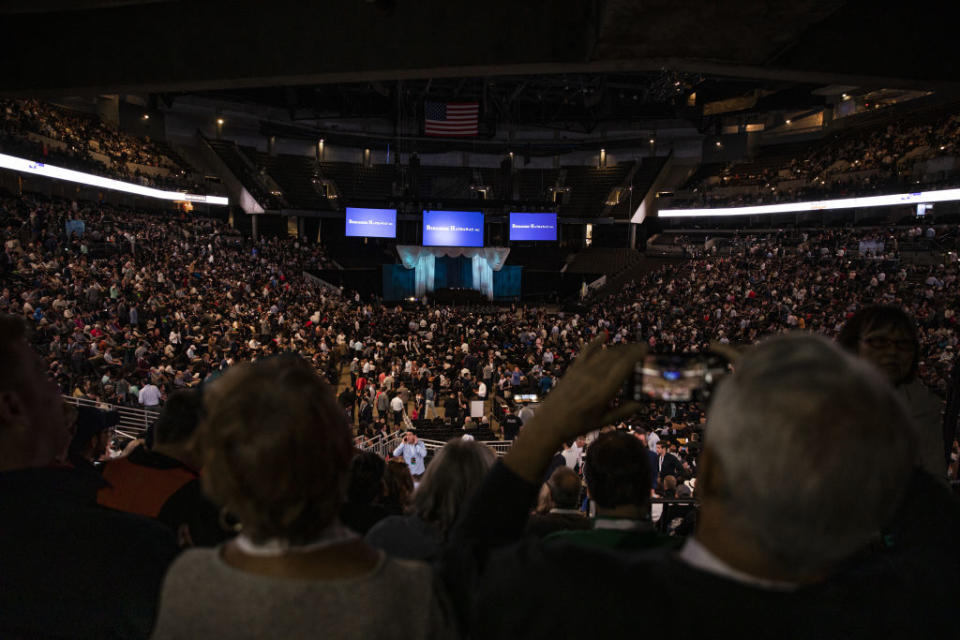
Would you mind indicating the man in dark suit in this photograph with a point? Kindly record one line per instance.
(667, 463)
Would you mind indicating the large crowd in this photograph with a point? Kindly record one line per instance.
(82, 136)
(852, 163)
(168, 312)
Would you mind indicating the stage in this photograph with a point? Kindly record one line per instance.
(425, 270)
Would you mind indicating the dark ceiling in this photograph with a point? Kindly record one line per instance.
(58, 48)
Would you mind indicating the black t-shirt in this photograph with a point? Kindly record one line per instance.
(511, 426)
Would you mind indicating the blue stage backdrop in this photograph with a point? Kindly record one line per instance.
(399, 283)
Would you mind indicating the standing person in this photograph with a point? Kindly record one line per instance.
(383, 404)
(525, 413)
(887, 338)
(413, 452)
(396, 405)
(348, 400)
(511, 425)
(451, 410)
(429, 407)
(276, 450)
(150, 395)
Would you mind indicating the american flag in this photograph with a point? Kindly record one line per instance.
(450, 118)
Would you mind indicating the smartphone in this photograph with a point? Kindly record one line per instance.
(684, 377)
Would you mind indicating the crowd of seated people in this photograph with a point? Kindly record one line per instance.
(846, 164)
(82, 136)
(143, 300)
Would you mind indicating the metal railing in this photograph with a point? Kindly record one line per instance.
(385, 445)
(133, 421)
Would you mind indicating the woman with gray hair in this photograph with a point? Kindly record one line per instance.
(452, 477)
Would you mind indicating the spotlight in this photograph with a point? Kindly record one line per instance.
(219, 120)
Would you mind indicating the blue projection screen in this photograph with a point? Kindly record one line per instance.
(533, 226)
(371, 223)
(452, 229)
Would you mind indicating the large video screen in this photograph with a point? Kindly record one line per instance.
(371, 223)
(533, 226)
(452, 229)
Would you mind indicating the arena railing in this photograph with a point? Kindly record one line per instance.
(500, 447)
(133, 421)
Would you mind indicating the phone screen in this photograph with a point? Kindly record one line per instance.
(676, 378)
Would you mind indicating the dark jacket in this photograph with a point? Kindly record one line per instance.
(158, 486)
(487, 564)
(71, 568)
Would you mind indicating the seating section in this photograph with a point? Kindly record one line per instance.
(241, 167)
(589, 188)
(918, 149)
(80, 141)
(439, 429)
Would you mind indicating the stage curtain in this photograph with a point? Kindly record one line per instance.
(422, 260)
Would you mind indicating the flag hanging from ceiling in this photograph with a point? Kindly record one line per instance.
(450, 118)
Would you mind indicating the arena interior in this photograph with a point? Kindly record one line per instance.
(385, 319)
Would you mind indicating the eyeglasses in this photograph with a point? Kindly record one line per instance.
(886, 343)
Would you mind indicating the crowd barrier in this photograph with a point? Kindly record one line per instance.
(133, 421)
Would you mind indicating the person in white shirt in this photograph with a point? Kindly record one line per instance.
(396, 405)
(652, 440)
(573, 454)
(482, 390)
(150, 395)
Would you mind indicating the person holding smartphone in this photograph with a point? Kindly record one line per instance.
(413, 453)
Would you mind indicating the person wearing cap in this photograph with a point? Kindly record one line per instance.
(91, 438)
